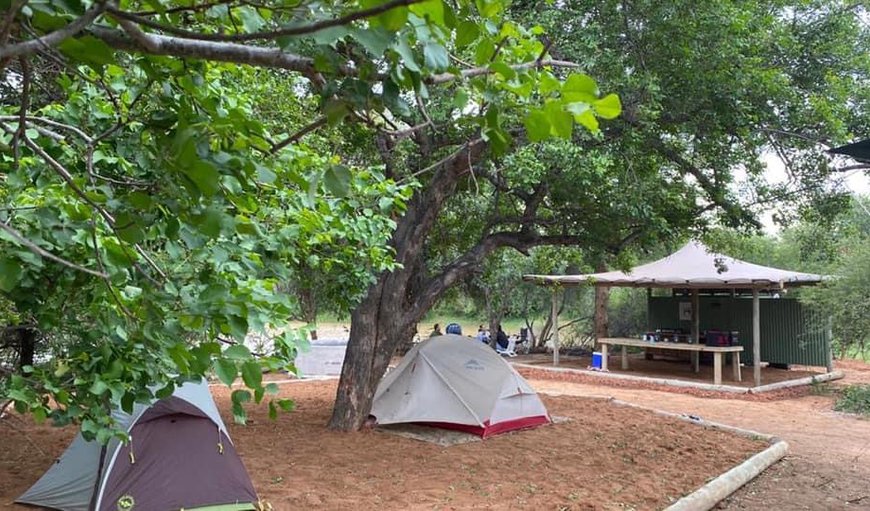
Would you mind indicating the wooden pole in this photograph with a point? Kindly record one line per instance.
(756, 338)
(554, 314)
(829, 338)
(696, 330)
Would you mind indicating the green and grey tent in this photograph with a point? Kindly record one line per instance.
(179, 456)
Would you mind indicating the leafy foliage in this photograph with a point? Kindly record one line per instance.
(854, 399)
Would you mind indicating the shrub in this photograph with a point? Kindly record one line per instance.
(855, 399)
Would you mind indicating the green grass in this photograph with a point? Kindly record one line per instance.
(854, 399)
(469, 324)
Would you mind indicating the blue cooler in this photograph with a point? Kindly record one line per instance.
(596, 360)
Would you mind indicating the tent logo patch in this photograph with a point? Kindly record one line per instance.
(474, 365)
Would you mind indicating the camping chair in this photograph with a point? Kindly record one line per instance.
(509, 351)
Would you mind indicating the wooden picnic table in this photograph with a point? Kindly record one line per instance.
(717, 352)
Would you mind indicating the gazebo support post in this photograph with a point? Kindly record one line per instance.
(554, 315)
(829, 333)
(756, 338)
(696, 330)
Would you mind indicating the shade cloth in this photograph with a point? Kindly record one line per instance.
(858, 150)
(693, 266)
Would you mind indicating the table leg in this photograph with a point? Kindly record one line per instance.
(717, 368)
(603, 357)
(624, 358)
(696, 361)
(735, 364)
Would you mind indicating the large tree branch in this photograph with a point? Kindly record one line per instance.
(54, 38)
(273, 34)
(207, 50)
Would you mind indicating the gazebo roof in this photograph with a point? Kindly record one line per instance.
(693, 266)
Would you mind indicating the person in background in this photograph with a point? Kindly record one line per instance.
(501, 338)
(482, 335)
(454, 328)
(436, 331)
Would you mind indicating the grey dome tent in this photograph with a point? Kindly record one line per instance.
(179, 457)
(455, 382)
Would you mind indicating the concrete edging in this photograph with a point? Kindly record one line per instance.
(808, 380)
(644, 379)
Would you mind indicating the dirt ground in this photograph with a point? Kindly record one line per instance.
(828, 466)
(674, 369)
(606, 457)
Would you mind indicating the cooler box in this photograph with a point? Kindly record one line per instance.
(717, 338)
(596, 360)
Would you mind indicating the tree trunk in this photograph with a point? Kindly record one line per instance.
(26, 347)
(602, 323)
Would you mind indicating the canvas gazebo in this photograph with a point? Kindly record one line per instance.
(694, 267)
(179, 456)
(458, 383)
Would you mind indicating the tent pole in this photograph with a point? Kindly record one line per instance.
(554, 315)
(756, 337)
(829, 338)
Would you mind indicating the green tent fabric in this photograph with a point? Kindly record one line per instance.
(858, 150)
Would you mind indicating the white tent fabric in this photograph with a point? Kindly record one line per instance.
(457, 380)
(693, 266)
(69, 483)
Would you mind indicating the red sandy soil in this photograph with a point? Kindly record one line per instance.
(592, 380)
(675, 369)
(606, 457)
(828, 466)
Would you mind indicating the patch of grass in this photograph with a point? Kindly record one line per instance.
(854, 399)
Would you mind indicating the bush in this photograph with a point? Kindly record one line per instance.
(855, 399)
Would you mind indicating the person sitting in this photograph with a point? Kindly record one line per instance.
(501, 339)
(454, 328)
(482, 335)
(436, 331)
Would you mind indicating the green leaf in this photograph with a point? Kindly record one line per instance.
(209, 222)
(561, 122)
(241, 396)
(237, 352)
(10, 274)
(226, 370)
(579, 87)
(588, 120)
(608, 107)
(394, 19)
(251, 19)
(335, 111)
(374, 40)
(466, 33)
(205, 176)
(404, 50)
(503, 69)
(252, 374)
(436, 57)
(337, 180)
(537, 125)
(265, 174)
(286, 404)
(272, 388)
(432, 10)
(273, 410)
(98, 387)
(89, 50)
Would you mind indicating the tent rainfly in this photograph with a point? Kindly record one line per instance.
(693, 267)
(455, 382)
(179, 457)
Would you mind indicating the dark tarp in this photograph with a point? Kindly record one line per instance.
(858, 150)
